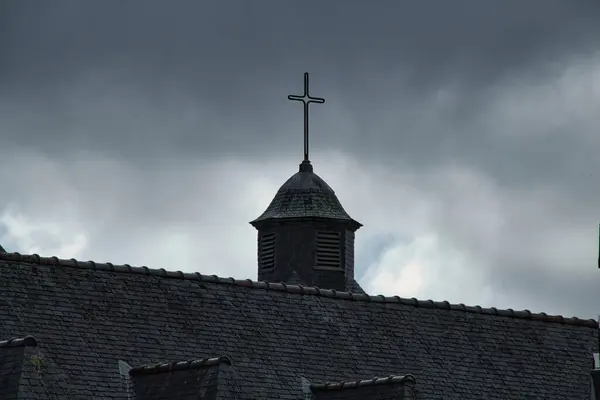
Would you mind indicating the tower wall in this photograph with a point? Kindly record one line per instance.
(298, 254)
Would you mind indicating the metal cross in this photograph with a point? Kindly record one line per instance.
(306, 99)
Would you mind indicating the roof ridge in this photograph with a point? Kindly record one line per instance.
(19, 342)
(179, 366)
(392, 379)
(297, 289)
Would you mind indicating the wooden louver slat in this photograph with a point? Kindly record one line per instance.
(328, 249)
(267, 251)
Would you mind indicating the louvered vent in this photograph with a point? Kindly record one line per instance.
(267, 251)
(329, 249)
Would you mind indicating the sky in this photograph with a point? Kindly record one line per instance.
(464, 135)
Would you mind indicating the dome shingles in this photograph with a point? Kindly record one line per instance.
(305, 195)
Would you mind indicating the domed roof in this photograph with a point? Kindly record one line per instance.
(305, 195)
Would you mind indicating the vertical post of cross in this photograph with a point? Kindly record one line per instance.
(306, 99)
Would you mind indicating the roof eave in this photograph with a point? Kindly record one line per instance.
(261, 221)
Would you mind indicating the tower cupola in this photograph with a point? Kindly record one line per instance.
(305, 236)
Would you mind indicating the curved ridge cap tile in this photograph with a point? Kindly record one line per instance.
(26, 341)
(345, 295)
(304, 290)
(392, 379)
(276, 286)
(179, 365)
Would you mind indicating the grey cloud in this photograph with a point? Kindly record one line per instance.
(130, 108)
(184, 72)
(215, 36)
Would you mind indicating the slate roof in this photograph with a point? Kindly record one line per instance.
(392, 387)
(595, 379)
(351, 286)
(205, 379)
(24, 371)
(87, 316)
(306, 195)
(362, 383)
(18, 342)
(12, 357)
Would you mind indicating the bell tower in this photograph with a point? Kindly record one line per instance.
(305, 236)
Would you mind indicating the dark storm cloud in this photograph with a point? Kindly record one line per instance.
(200, 77)
(236, 37)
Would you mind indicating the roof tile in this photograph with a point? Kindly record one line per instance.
(19, 342)
(179, 366)
(87, 316)
(392, 379)
(306, 290)
(306, 195)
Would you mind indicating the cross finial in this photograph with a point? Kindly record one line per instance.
(306, 99)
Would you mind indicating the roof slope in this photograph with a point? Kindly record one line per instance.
(306, 195)
(389, 388)
(12, 358)
(351, 286)
(87, 316)
(205, 379)
(595, 375)
(25, 373)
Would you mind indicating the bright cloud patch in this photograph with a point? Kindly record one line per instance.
(31, 236)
